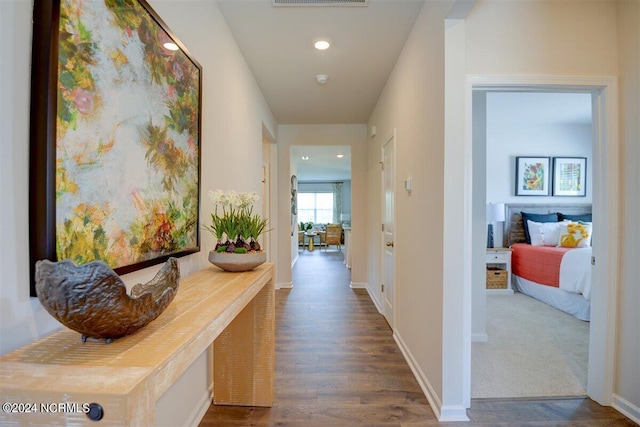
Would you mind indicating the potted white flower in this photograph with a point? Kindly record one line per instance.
(236, 229)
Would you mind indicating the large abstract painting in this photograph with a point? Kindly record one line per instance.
(115, 136)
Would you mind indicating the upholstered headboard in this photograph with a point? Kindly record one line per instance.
(513, 227)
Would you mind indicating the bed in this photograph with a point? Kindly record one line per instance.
(558, 276)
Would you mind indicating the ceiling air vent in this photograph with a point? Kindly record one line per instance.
(320, 2)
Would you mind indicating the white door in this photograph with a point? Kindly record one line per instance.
(388, 229)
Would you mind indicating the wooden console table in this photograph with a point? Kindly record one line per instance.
(233, 311)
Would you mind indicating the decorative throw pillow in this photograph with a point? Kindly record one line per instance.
(583, 217)
(544, 233)
(552, 217)
(575, 234)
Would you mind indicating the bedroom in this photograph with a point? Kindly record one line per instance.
(550, 127)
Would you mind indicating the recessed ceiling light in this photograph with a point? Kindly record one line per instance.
(322, 78)
(340, 156)
(171, 46)
(322, 44)
(305, 157)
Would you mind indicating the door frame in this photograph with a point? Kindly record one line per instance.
(602, 337)
(392, 320)
(266, 206)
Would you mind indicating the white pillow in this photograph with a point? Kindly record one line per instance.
(544, 233)
(575, 234)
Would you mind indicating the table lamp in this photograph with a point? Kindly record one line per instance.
(495, 213)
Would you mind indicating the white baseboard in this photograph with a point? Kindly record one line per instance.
(356, 285)
(627, 408)
(286, 285)
(201, 409)
(295, 260)
(479, 338)
(499, 292)
(453, 413)
(442, 413)
(374, 299)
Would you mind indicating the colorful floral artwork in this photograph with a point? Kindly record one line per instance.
(532, 176)
(127, 135)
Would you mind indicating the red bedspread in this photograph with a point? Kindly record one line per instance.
(540, 264)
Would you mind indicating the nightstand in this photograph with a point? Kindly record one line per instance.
(501, 258)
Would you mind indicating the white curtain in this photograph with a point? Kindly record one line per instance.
(337, 202)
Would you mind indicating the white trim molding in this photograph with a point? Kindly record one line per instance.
(201, 409)
(374, 299)
(627, 408)
(479, 338)
(442, 413)
(285, 285)
(358, 285)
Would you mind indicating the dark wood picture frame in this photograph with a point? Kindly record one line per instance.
(47, 98)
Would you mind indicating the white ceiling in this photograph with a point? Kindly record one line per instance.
(277, 43)
(323, 163)
(542, 108)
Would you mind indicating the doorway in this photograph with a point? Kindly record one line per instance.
(323, 200)
(532, 347)
(605, 212)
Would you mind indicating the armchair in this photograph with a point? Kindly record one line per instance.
(333, 236)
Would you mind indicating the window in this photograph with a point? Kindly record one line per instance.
(315, 207)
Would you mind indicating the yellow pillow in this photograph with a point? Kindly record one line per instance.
(575, 234)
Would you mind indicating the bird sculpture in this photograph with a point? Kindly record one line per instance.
(92, 299)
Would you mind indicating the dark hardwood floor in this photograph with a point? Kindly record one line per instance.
(338, 365)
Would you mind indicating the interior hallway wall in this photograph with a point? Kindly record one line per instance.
(627, 383)
(412, 103)
(234, 112)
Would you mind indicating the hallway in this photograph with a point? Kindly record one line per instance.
(338, 365)
(336, 361)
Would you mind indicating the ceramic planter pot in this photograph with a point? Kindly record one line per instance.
(237, 262)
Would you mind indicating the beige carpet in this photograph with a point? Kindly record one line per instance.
(533, 350)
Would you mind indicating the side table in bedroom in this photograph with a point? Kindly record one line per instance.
(499, 265)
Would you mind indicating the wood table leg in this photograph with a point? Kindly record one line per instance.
(244, 355)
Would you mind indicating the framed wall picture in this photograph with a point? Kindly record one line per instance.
(533, 176)
(294, 203)
(570, 176)
(115, 136)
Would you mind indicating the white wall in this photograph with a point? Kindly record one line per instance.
(544, 37)
(22, 319)
(521, 124)
(479, 238)
(354, 136)
(412, 102)
(233, 110)
(627, 383)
